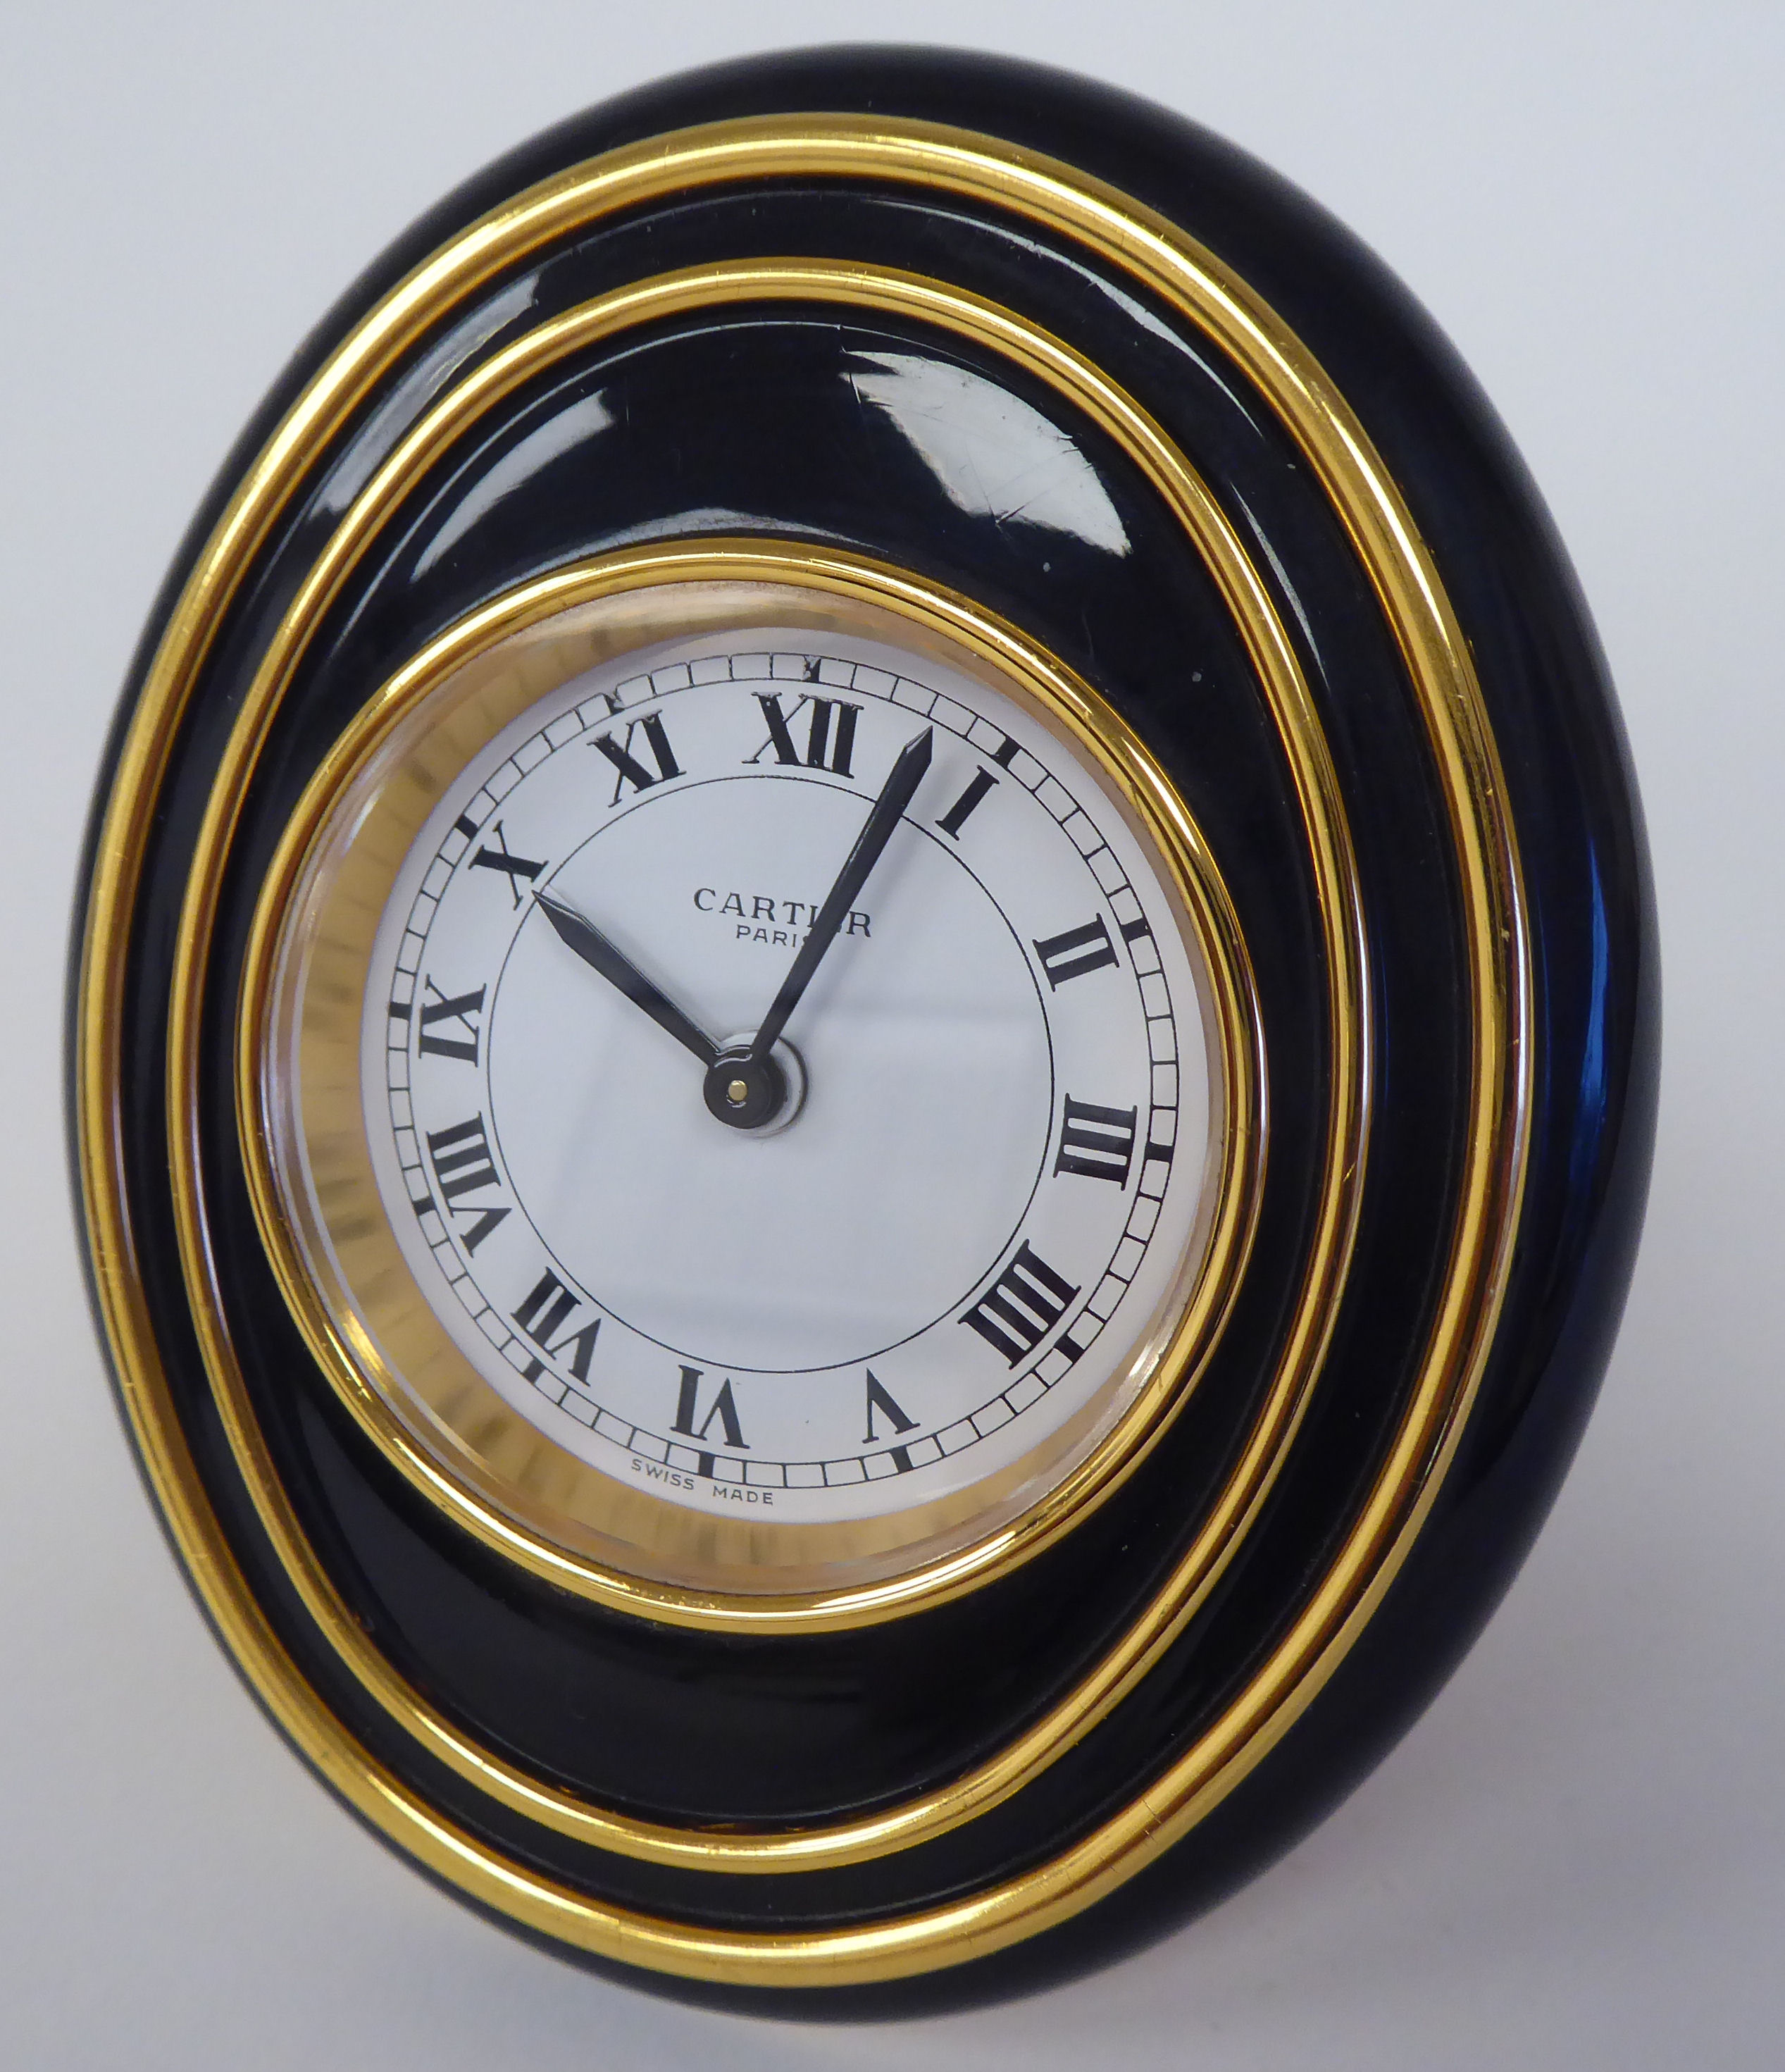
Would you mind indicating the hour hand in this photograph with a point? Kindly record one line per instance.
(618, 969)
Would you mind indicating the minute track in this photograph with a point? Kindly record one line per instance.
(947, 1430)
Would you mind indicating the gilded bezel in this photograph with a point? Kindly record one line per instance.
(1212, 299)
(325, 1224)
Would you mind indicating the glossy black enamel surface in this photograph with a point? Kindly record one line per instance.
(751, 422)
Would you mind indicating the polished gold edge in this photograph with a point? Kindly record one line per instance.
(918, 1820)
(1265, 639)
(1204, 1561)
(745, 573)
(1201, 1566)
(1189, 279)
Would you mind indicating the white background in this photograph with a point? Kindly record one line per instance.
(1578, 1858)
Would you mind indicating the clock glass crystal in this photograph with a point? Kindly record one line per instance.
(783, 1087)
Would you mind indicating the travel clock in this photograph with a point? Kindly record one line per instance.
(863, 1027)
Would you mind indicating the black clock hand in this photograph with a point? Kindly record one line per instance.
(600, 954)
(902, 781)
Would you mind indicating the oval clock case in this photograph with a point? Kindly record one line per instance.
(1046, 387)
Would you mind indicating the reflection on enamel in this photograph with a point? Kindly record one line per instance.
(992, 452)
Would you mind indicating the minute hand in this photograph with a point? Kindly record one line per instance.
(896, 793)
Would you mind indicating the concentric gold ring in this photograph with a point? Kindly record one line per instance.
(1287, 694)
(1152, 252)
(433, 1418)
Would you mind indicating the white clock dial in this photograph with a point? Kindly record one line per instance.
(886, 1255)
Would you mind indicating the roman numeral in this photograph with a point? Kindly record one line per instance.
(1021, 1306)
(1078, 950)
(461, 1007)
(1098, 1142)
(631, 771)
(879, 1399)
(825, 750)
(980, 783)
(502, 858)
(723, 1407)
(547, 1309)
(462, 1165)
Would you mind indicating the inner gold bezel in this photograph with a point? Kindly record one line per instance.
(326, 1227)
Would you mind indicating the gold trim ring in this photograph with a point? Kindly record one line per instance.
(931, 1814)
(467, 1452)
(1196, 1572)
(1158, 257)
(1273, 657)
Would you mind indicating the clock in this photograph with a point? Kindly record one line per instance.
(863, 1028)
